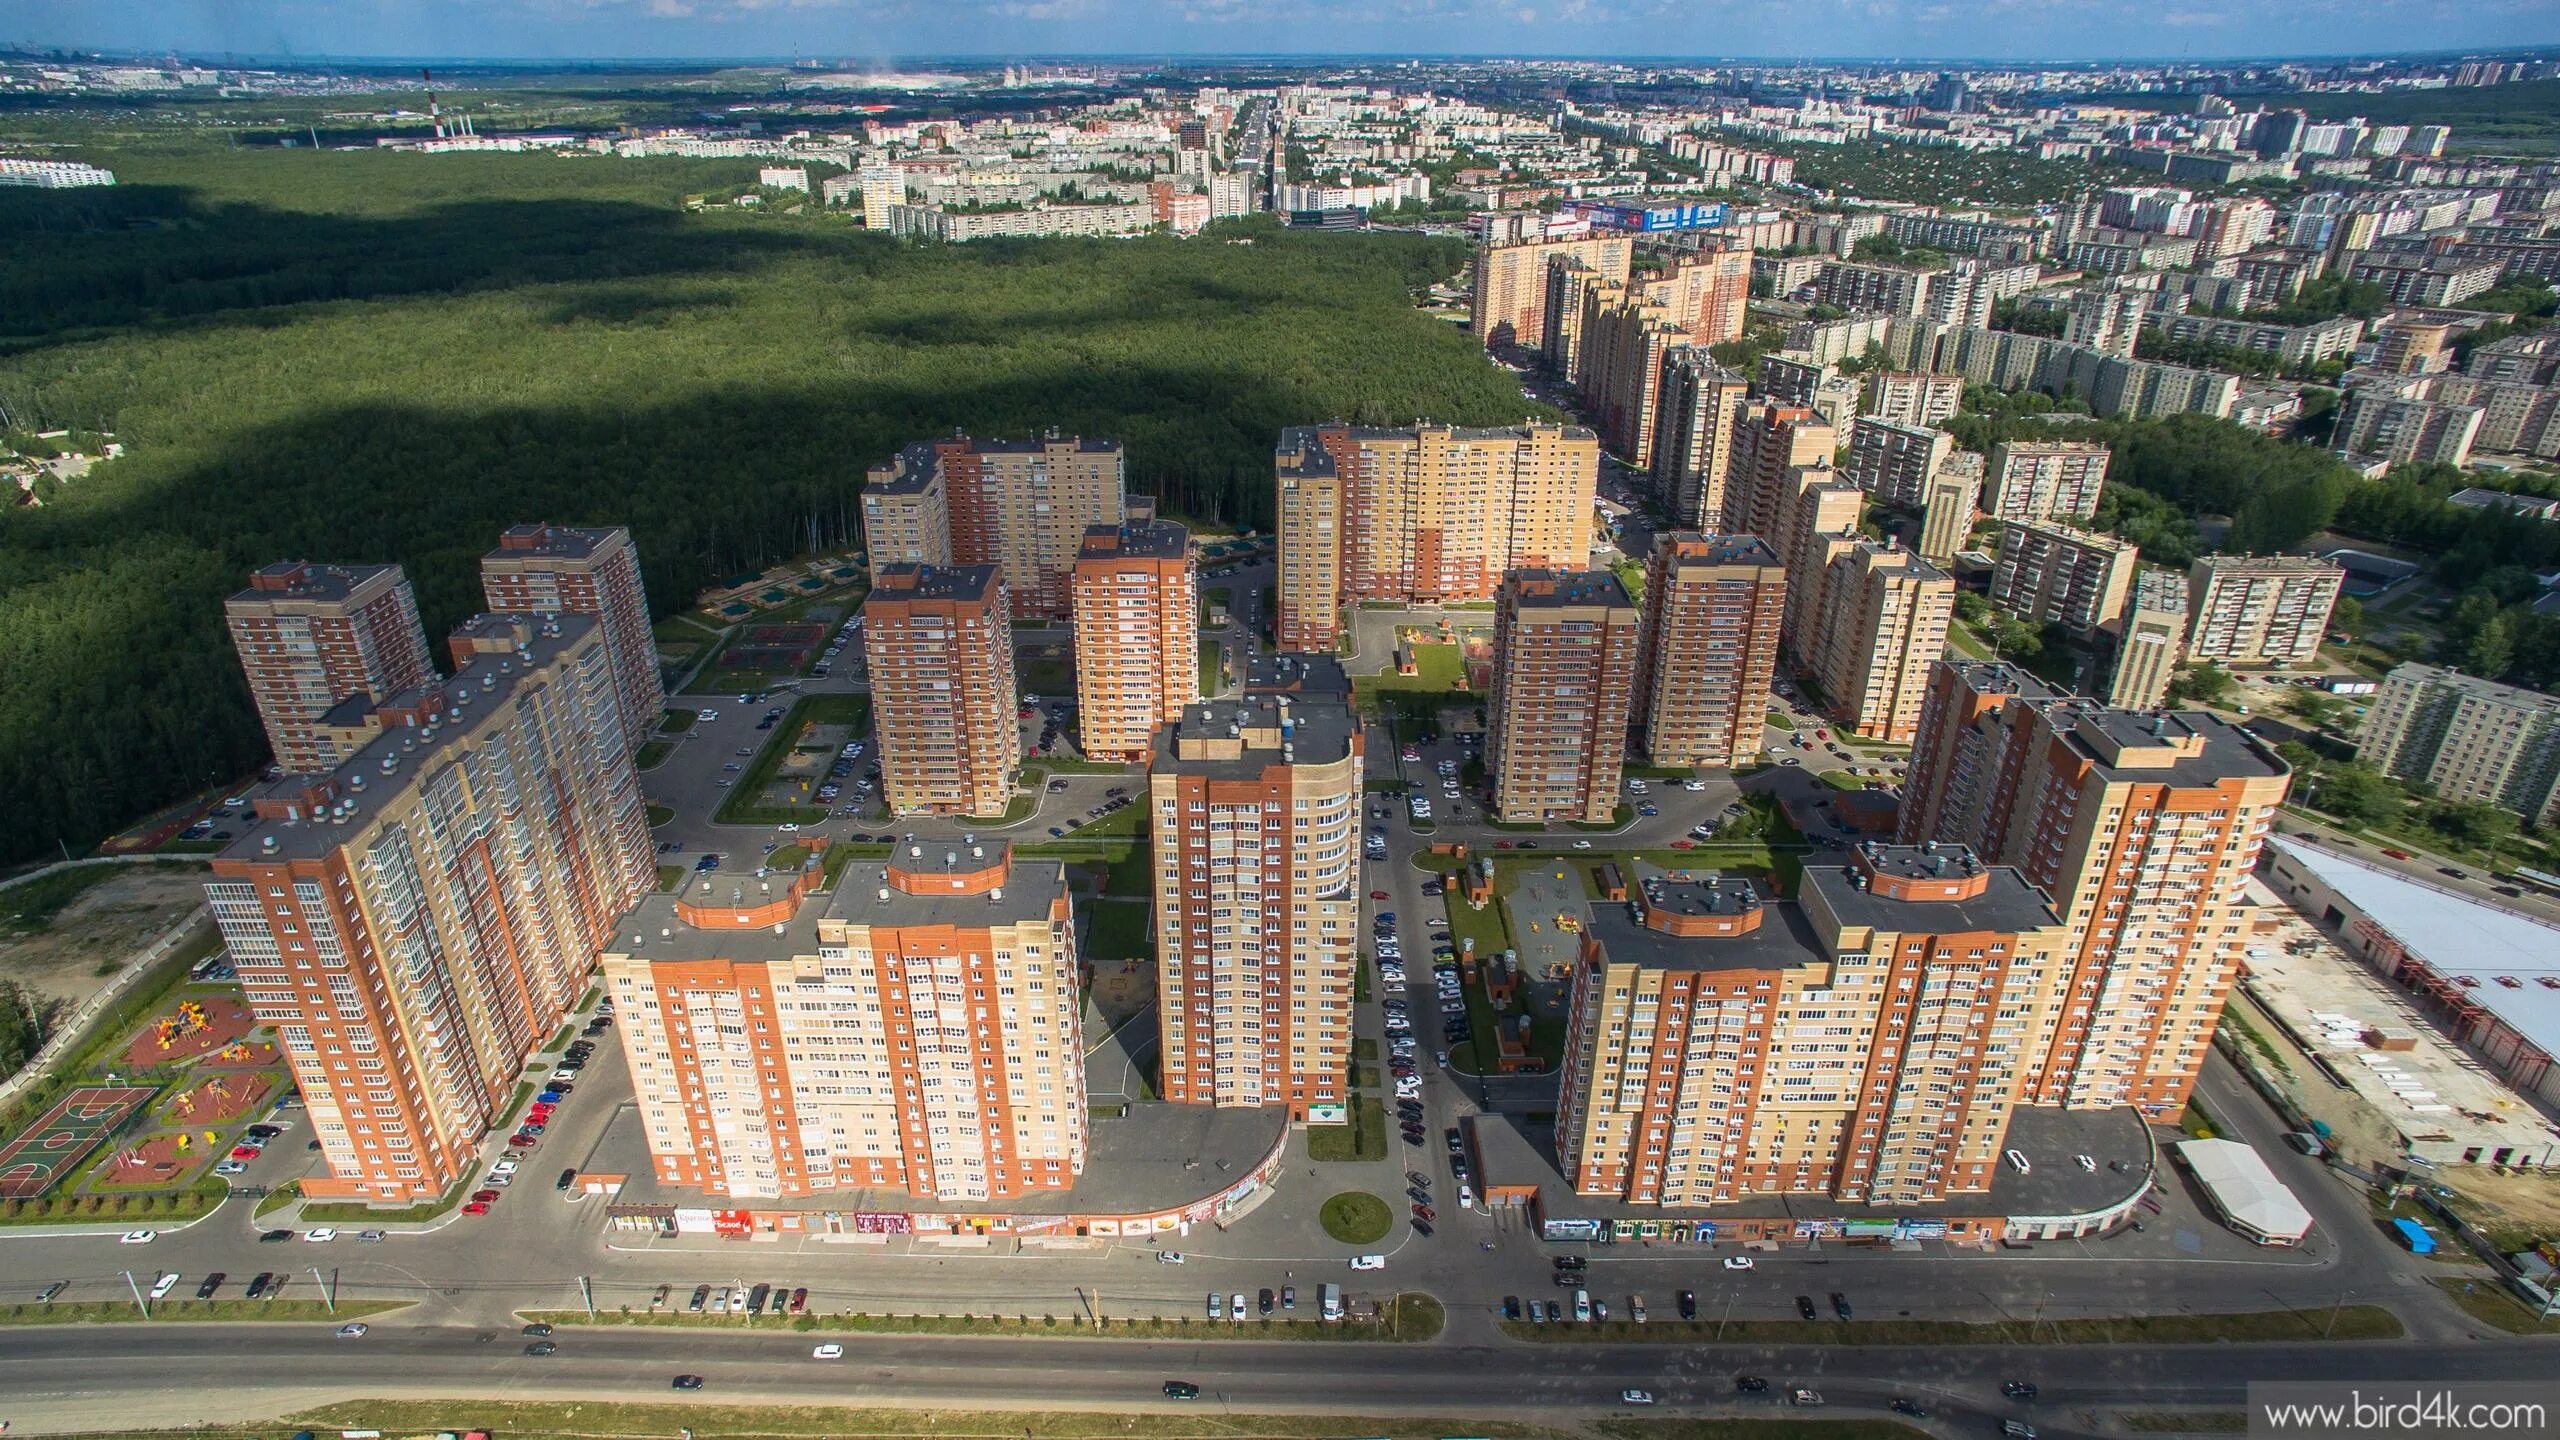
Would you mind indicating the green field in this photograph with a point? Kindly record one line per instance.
(572, 344)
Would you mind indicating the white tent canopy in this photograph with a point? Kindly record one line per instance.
(2248, 1194)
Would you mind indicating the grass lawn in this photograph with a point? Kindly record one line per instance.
(651, 756)
(1212, 667)
(670, 878)
(786, 857)
(1119, 930)
(2488, 1302)
(1414, 1317)
(343, 1212)
(659, 815)
(1049, 679)
(2351, 1322)
(1781, 720)
(1365, 1138)
(1841, 780)
(556, 1419)
(1356, 1217)
(233, 1311)
(674, 721)
(1438, 670)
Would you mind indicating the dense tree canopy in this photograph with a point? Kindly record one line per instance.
(373, 356)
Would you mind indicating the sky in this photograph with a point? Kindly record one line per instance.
(875, 32)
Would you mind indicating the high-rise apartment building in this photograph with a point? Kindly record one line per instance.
(2468, 738)
(1708, 648)
(1947, 511)
(310, 636)
(1893, 461)
(2059, 575)
(2104, 319)
(1867, 1045)
(1618, 367)
(2148, 641)
(1424, 515)
(2044, 479)
(414, 922)
(1770, 445)
(543, 569)
(2260, 610)
(1912, 397)
(1699, 409)
(1817, 524)
(1564, 647)
(940, 649)
(1508, 304)
(1137, 608)
(2142, 827)
(1257, 896)
(1021, 505)
(1885, 613)
(918, 1029)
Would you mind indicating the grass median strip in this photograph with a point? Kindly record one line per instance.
(2350, 1322)
(122, 1312)
(2485, 1301)
(558, 1420)
(1413, 1317)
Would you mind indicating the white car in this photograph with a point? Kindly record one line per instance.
(1737, 1262)
(140, 1237)
(706, 715)
(1466, 1196)
(231, 1167)
(1368, 1262)
(167, 1282)
(1635, 1397)
(1581, 844)
(354, 1330)
(321, 1236)
(828, 1351)
(1693, 785)
(1169, 1257)
(1409, 1088)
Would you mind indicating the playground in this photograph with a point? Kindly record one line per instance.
(38, 1157)
(197, 1027)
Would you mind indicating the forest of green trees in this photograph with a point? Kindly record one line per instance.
(371, 356)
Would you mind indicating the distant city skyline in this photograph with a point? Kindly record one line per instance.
(856, 31)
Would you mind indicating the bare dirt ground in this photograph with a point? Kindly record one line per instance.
(2517, 1199)
(96, 934)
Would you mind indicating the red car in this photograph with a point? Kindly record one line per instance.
(1377, 894)
(522, 1141)
(485, 1197)
(1684, 844)
(245, 1152)
(476, 1207)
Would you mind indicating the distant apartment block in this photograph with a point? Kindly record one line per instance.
(2293, 344)
(1509, 295)
(586, 571)
(940, 648)
(958, 226)
(2044, 479)
(1884, 619)
(1564, 644)
(1708, 647)
(1137, 623)
(2149, 641)
(1021, 505)
(1700, 406)
(1256, 847)
(2378, 422)
(51, 174)
(2438, 280)
(1426, 515)
(2470, 739)
(1859, 1045)
(1947, 510)
(405, 986)
(2142, 828)
(2270, 610)
(1770, 445)
(1618, 367)
(917, 1030)
(310, 636)
(2052, 574)
(1893, 461)
(1912, 397)
(2105, 319)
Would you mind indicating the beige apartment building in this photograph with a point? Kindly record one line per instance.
(1256, 840)
(1866, 1045)
(1020, 505)
(1618, 367)
(1893, 461)
(2149, 641)
(1564, 644)
(917, 1029)
(940, 646)
(309, 636)
(1508, 300)
(1818, 523)
(543, 569)
(1885, 613)
(1708, 648)
(1770, 445)
(2045, 479)
(1698, 411)
(1948, 507)
(2471, 739)
(2260, 610)
(416, 921)
(2142, 827)
(1137, 616)
(1912, 397)
(2053, 574)
(1427, 515)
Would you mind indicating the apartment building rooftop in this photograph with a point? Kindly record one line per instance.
(538, 540)
(2182, 747)
(1929, 889)
(1297, 674)
(304, 580)
(312, 813)
(912, 468)
(935, 582)
(1303, 437)
(1690, 547)
(1536, 589)
(1755, 935)
(1239, 739)
(1136, 539)
(2269, 565)
(659, 927)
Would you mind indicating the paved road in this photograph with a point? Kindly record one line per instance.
(69, 1378)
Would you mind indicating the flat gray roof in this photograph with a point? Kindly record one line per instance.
(2007, 906)
(307, 580)
(1143, 539)
(1784, 938)
(935, 582)
(1320, 733)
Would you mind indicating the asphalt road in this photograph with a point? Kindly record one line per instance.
(59, 1378)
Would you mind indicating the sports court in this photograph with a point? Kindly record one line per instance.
(775, 648)
(36, 1159)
